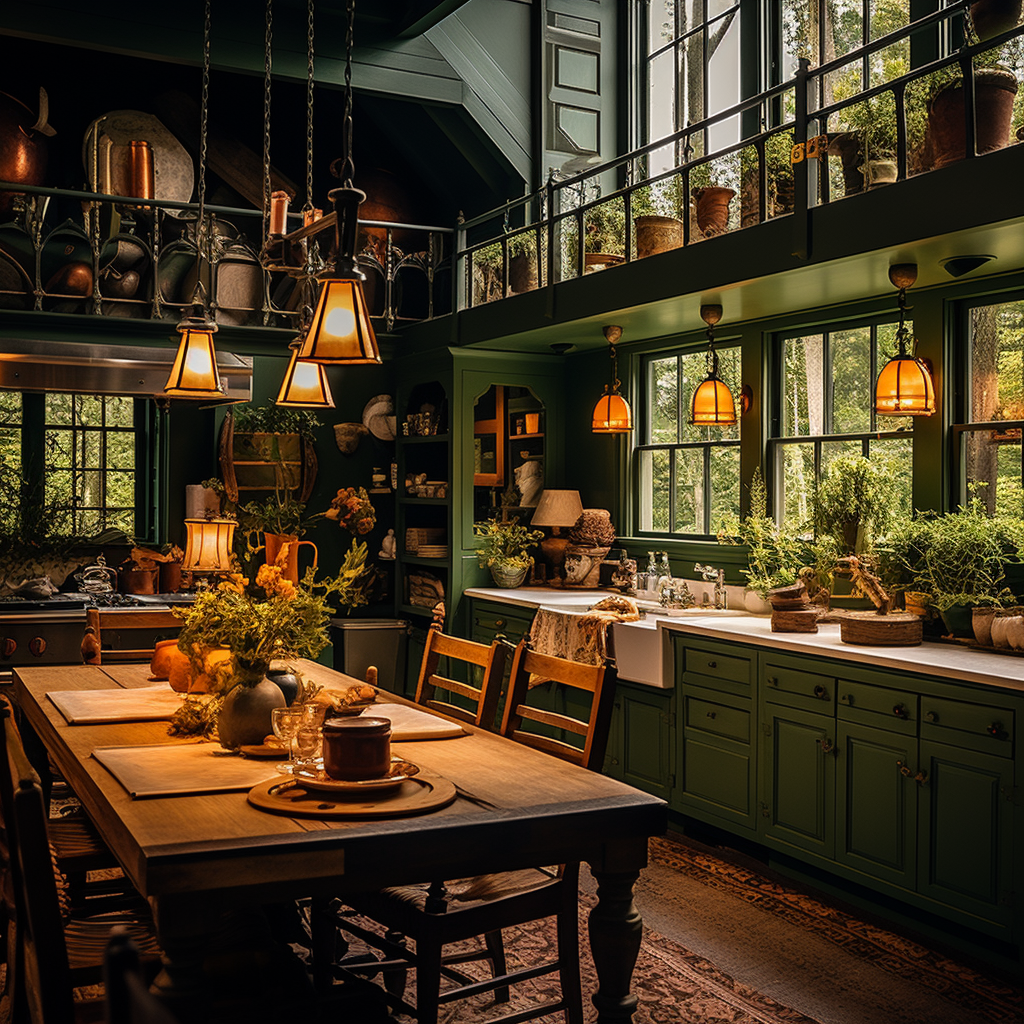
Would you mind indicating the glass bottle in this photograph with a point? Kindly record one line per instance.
(652, 568)
(664, 569)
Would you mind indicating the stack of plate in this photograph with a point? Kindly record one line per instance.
(432, 551)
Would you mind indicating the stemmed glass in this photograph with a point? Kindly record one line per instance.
(309, 736)
(286, 722)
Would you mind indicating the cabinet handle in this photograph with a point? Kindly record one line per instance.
(819, 692)
(772, 680)
(920, 777)
(904, 769)
(900, 711)
(827, 746)
(711, 714)
(931, 716)
(996, 729)
(712, 664)
(499, 623)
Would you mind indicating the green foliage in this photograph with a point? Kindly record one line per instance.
(855, 500)
(775, 559)
(279, 513)
(505, 543)
(275, 419)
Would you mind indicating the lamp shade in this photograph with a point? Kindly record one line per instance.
(712, 403)
(305, 385)
(194, 373)
(557, 508)
(612, 415)
(904, 388)
(341, 331)
(208, 545)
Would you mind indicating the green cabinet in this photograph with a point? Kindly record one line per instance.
(640, 748)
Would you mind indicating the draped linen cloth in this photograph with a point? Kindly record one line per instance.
(585, 637)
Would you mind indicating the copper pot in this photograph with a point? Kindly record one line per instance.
(23, 149)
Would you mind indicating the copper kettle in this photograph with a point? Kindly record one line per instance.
(23, 149)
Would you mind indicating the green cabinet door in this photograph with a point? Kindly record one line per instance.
(876, 803)
(716, 779)
(647, 724)
(798, 780)
(965, 859)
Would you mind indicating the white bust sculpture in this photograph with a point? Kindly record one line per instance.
(387, 546)
(530, 481)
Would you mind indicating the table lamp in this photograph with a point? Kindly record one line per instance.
(556, 509)
(208, 546)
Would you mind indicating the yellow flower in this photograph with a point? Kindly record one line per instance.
(235, 583)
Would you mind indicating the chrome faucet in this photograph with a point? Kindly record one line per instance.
(709, 573)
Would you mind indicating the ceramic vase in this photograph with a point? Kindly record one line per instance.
(946, 135)
(245, 717)
(275, 544)
(712, 209)
(981, 622)
(1000, 624)
(657, 234)
(1015, 632)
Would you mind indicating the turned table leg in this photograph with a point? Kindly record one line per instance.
(615, 930)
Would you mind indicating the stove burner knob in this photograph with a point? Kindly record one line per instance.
(10, 646)
(37, 645)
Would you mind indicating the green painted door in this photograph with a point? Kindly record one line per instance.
(716, 779)
(798, 780)
(876, 802)
(647, 727)
(965, 857)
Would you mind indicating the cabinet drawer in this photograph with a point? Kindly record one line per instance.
(984, 727)
(713, 718)
(711, 663)
(880, 706)
(489, 623)
(787, 681)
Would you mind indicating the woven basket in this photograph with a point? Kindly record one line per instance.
(504, 576)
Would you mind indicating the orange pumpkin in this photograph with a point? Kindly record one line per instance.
(180, 671)
(160, 666)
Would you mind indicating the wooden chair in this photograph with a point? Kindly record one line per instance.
(129, 1000)
(437, 915)
(123, 620)
(51, 955)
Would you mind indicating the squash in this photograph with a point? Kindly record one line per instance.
(160, 666)
(180, 673)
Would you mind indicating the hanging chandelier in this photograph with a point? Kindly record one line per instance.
(712, 404)
(612, 414)
(904, 387)
(194, 373)
(305, 383)
(341, 331)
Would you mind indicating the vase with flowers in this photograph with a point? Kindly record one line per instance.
(352, 510)
(258, 624)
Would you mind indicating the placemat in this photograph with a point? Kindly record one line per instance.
(178, 769)
(141, 704)
(413, 724)
(418, 795)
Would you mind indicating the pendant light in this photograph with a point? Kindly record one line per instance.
(305, 383)
(712, 404)
(194, 373)
(612, 414)
(904, 387)
(341, 331)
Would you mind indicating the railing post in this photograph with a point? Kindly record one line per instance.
(801, 189)
(459, 268)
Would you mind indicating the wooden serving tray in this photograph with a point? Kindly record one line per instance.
(418, 795)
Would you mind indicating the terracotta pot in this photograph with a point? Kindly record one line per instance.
(1015, 632)
(170, 577)
(599, 260)
(657, 234)
(946, 133)
(849, 147)
(275, 543)
(138, 581)
(1000, 626)
(713, 209)
(981, 622)
(522, 273)
(245, 717)
(994, 17)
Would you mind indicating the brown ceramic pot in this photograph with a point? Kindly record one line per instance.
(946, 132)
(713, 209)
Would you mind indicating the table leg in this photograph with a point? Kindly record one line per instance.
(615, 929)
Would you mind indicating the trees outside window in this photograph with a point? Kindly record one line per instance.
(825, 408)
(688, 477)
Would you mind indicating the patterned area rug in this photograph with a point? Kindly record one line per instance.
(989, 1000)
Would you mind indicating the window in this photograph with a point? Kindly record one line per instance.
(988, 444)
(71, 463)
(825, 408)
(688, 476)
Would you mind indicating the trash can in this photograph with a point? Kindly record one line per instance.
(359, 643)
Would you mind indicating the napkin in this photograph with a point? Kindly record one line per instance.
(144, 704)
(412, 724)
(178, 769)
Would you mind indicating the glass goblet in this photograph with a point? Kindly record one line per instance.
(286, 722)
(307, 740)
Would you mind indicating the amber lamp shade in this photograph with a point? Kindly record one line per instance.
(712, 403)
(194, 373)
(341, 331)
(904, 388)
(305, 385)
(612, 415)
(208, 545)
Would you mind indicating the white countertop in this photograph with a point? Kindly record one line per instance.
(939, 660)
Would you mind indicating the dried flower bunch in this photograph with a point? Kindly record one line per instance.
(593, 529)
(273, 619)
(352, 509)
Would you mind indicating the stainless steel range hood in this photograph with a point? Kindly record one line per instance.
(107, 369)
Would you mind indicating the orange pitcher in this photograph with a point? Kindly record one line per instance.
(274, 542)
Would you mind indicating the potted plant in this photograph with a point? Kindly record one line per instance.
(711, 201)
(856, 499)
(657, 216)
(778, 176)
(865, 143)
(505, 549)
(604, 233)
(488, 268)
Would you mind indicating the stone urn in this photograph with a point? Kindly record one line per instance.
(657, 234)
(712, 209)
(245, 718)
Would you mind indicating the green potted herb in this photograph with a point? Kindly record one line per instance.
(504, 548)
(856, 500)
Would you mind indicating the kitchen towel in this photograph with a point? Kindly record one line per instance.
(143, 704)
(180, 769)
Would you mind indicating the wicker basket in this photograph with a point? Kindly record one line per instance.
(507, 577)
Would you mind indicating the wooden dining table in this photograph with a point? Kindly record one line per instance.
(199, 856)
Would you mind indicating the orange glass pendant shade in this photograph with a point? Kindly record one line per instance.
(904, 388)
(712, 403)
(208, 545)
(612, 415)
(305, 385)
(194, 373)
(341, 331)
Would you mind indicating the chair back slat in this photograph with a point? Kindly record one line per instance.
(597, 680)
(484, 698)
